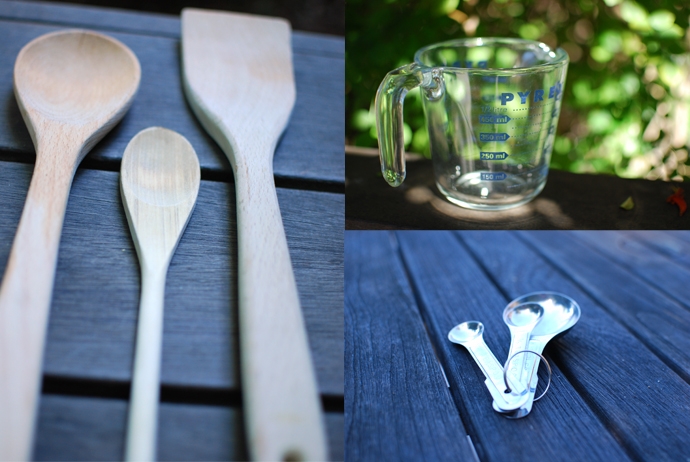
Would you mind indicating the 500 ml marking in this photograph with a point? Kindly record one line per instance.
(493, 136)
(493, 176)
(493, 156)
(493, 119)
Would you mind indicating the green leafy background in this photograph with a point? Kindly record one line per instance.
(626, 108)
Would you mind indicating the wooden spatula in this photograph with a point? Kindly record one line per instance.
(237, 72)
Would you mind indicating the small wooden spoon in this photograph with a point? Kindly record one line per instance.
(72, 87)
(159, 183)
(237, 75)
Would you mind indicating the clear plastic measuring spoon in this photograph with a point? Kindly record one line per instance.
(470, 335)
(560, 314)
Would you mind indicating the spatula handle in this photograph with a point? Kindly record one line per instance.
(25, 297)
(282, 408)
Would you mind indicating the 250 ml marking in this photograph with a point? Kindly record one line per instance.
(493, 155)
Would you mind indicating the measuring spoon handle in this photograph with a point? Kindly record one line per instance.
(519, 342)
(493, 371)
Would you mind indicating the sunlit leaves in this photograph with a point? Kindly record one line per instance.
(661, 20)
(635, 15)
(599, 121)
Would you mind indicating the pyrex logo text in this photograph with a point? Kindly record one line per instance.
(538, 95)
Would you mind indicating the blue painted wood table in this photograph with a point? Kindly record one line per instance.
(88, 355)
(621, 376)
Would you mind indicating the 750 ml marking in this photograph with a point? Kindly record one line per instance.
(493, 136)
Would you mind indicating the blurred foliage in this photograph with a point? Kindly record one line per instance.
(627, 98)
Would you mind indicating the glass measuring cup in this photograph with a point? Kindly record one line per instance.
(491, 107)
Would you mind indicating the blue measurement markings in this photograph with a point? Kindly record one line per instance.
(493, 176)
(493, 119)
(493, 156)
(493, 136)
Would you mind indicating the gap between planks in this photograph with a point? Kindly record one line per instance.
(334, 187)
(113, 389)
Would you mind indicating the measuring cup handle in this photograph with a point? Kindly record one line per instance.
(389, 116)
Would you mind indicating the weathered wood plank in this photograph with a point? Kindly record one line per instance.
(310, 149)
(96, 294)
(397, 406)
(569, 201)
(657, 320)
(79, 428)
(453, 288)
(626, 385)
(654, 268)
(675, 245)
(140, 23)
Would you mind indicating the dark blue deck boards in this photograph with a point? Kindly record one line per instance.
(621, 377)
(88, 357)
(397, 406)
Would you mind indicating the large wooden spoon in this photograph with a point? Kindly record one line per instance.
(238, 80)
(159, 182)
(72, 87)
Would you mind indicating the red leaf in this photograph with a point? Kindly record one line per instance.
(678, 199)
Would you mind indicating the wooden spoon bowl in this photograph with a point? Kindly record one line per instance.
(78, 78)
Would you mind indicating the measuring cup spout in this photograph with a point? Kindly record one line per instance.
(389, 114)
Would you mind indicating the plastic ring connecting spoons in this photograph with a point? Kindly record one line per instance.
(533, 319)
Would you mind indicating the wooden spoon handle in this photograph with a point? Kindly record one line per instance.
(143, 406)
(25, 298)
(282, 409)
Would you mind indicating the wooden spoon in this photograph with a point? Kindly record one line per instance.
(159, 183)
(72, 87)
(237, 75)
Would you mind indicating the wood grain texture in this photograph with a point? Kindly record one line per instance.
(311, 149)
(452, 288)
(659, 321)
(569, 201)
(397, 406)
(675, 245)
(656, 268)
(238, 79)
(85, 429)
(159, 182)
(606, 362)
(93, 315)
(71, 87)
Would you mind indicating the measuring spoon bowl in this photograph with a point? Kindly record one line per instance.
(524, 315)
(466, 332)
(561, 313)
